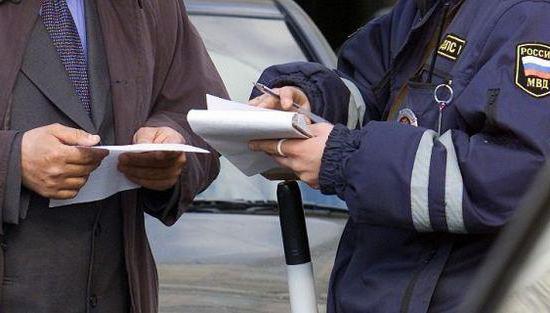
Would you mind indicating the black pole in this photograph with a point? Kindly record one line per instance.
(301, 283)
(293, 223)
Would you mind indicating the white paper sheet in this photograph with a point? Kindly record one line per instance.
(229, 126)
(106, 180)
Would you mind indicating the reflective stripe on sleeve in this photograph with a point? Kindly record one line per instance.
(454, 187)
(420, 179)
(356, 107)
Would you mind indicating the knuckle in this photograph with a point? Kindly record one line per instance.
(54, 171)
(50, 184)
(78, 133)
(180, 162)
(287, 90)
(54, 156)
(47, 193)
(81, 182)
(139, 131)
(55, 126)
(143, 131)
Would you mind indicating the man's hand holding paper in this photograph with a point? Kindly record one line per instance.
(52, 165)
(157, 170)
(155, 161)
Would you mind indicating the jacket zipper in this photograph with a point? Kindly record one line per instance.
(407, 297)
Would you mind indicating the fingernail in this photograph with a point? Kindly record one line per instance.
(251, 146)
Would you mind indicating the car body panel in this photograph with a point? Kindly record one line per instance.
(516, 274)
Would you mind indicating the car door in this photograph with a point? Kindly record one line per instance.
(516, 275)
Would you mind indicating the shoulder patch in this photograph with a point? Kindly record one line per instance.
(533, 69)
(451, 47)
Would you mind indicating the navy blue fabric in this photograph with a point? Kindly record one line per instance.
(383, 263)
(315, 80)
(436, 199)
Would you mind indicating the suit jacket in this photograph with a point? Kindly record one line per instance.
(152, 50)
(67, 259)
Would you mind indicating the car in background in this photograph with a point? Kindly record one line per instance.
(226, 254)
(516, 275)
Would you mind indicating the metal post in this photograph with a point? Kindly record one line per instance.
(301, 284)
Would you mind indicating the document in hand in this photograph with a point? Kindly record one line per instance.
(106, 180)
(228, 126)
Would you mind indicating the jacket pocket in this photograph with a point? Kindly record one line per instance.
(420, 100)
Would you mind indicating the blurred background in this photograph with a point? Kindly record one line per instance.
(339, 19)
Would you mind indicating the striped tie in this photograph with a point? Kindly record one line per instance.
(60, 25)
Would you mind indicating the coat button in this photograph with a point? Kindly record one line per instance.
(93, 301)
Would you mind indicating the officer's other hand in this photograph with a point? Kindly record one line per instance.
(301, 156)
(51, 163)
(154, 170)
(288, 95)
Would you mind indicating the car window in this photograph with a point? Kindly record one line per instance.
(241, 48)
(219, 262)
(246, 46)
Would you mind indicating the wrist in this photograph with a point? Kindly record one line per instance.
(340, 144)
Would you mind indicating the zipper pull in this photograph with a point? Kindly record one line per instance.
(443, 95)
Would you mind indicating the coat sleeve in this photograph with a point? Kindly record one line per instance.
(190, 76)
(464, 181)
(345, 95)
(7, 170)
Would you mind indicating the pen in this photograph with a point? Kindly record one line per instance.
(313, 117)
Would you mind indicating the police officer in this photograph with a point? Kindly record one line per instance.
(441, 115)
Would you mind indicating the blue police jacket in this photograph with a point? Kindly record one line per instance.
(424, 208)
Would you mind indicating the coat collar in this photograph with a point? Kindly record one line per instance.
(40, 63)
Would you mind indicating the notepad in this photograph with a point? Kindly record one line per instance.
(229, 126)
(106, 180)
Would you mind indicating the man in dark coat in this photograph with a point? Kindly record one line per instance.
(79, 73)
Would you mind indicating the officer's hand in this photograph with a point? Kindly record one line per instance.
(154, 170)
(52, 166)
(301, 156)
(288, 95)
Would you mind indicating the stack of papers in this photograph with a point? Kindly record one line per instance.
(106, 180)
(229, 126)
